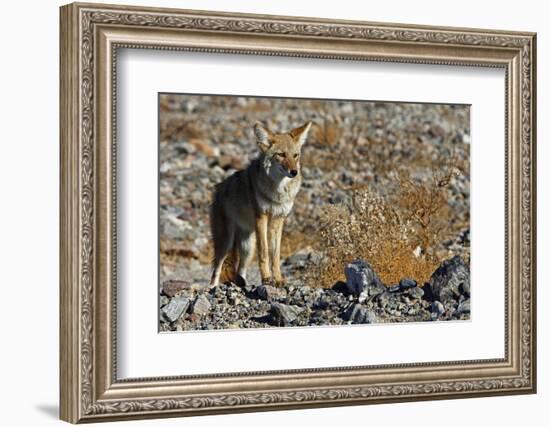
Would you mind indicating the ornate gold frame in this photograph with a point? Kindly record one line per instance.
(90, 36)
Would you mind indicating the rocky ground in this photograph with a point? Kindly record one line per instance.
(204, 139)
(361, 299)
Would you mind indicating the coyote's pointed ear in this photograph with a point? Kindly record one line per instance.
(300, 134)
(263, 136)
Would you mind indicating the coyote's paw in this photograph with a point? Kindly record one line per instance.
(280, 282)
(267, 281)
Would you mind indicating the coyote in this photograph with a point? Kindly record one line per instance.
(250, 206)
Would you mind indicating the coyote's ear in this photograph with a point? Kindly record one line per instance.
(300, 134)
(263, 136)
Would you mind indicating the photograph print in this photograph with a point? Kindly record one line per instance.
(292, 212)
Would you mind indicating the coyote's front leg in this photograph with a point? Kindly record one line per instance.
(263, 248)
(275, 234)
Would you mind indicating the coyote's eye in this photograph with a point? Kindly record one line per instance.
(282, 155)
(295, 156)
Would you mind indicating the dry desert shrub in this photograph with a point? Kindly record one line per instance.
(397, 235)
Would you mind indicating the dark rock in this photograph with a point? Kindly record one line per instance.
(407, 284)
(352, 311)
(267, 292)
(448, 280)
(464, 289)
(321, 304)
(394, 288)
(357, 314)
(416, 293)
(201, 306)
(340, 287)
(437, 308)
(361, 277)
(285, 315)
(175, 308)
(463, 307)
(428, 292)
(172, 287)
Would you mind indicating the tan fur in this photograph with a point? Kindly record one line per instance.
(250, 206)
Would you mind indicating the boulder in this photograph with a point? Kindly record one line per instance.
(361, 277)
(450, 280)
(285, 315)
(175, 308)
(201, 306)
(357, 314)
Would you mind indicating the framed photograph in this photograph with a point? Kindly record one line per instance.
(267, 212)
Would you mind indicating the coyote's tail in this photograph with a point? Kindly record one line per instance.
(218, 228)
(229, 271)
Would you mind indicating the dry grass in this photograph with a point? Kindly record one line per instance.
(397, 235)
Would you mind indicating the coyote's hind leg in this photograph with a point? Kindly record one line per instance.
(223, 235)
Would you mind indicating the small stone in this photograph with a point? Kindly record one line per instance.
(416, 293)
(407, 284)
(448, 280)
(268, 292)
(285, 315)
(201, 306)
(173, 227)
(172, 287)
(370, 317)
(363, 296)
(358, 314)
(464, 289)
(234, 300)
(383, 299)
(437, 308)
(354, 313)
(175, 308)
(360, 277)
(463, 307)
(164, 300)
(394, 288)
